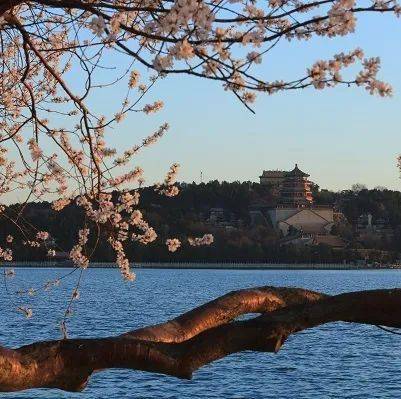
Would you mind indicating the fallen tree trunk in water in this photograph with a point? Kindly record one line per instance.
(198, 337)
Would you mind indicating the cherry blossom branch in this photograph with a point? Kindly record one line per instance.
(55, 53)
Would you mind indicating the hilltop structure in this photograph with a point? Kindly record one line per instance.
(295, 189)
(294, 215)
(274, 179)
(291, 188)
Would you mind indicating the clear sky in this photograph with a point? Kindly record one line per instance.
(340, 136)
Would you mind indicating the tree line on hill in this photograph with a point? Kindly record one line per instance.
(236, 240)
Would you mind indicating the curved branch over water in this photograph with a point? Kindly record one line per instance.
(196, 338)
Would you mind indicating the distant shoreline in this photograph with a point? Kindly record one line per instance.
(208, 265)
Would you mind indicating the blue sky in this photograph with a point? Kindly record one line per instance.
(340, 136)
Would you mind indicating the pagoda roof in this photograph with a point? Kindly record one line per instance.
(296, 172)
(274, 173)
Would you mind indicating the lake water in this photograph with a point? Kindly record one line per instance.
(333, 361)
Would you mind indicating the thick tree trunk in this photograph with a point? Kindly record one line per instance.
(182, 345)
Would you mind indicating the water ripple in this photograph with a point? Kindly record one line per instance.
(332, 361)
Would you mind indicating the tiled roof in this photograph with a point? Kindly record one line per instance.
(274, 173)
(297, 172)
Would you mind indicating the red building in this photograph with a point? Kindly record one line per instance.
(295, 189)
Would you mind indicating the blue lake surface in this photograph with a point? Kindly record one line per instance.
(333, 361)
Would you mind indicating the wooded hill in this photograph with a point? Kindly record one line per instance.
(236, 238)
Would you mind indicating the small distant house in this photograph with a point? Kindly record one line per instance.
(216, 215)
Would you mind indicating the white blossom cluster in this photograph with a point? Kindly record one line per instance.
(168, 188)
(54, 145)
(206, 239)
(173, 244)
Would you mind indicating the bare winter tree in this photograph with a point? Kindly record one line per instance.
(54, 145)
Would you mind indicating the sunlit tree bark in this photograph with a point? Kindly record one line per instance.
(210, 332)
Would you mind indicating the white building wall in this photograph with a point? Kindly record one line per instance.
(312, 220)
(327, 214)
(278, 214)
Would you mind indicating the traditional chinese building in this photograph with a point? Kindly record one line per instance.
(291, 188)
(295, 189)
(295, 215)
(309, 220)
(272, 178)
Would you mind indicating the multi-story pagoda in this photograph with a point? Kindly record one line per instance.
(294, 215)
(295, 189)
